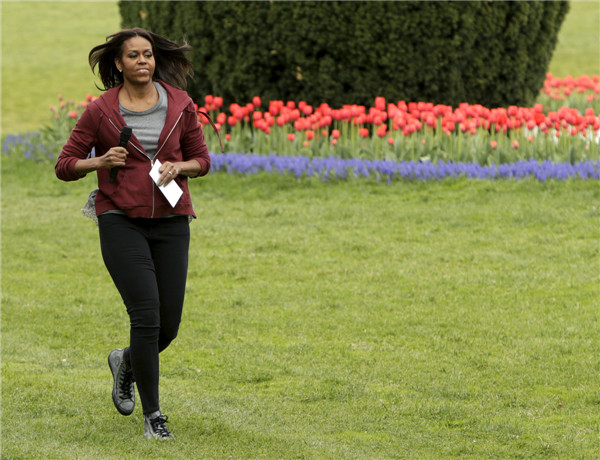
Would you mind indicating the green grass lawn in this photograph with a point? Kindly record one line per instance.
(323, 320)
(45, 46)
(578, 48)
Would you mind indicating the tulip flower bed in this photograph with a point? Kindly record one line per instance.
(559, 137)
(580, 93)
(420, 131)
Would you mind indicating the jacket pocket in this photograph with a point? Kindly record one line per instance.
(132, 188)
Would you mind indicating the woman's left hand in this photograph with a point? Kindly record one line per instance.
(168, 171)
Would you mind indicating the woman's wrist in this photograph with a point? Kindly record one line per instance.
(191, 168)
(82, 167)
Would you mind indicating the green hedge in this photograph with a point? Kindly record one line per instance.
(487, 52)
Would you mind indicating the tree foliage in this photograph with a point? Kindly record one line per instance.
(486, 52)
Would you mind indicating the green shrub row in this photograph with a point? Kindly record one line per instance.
(491, 53)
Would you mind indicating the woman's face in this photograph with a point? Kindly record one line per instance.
(136, 61)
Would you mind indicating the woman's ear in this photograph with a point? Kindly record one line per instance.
(118, 64)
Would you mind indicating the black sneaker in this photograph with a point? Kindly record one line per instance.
(155, 428)
(123, 393)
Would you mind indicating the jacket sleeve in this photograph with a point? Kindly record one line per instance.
(193, 145)
(78, 147)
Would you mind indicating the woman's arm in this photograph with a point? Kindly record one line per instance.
(78, 147)
(193, 145)
(115, 157)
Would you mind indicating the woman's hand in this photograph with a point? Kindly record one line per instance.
(169, 171)
(115, 157)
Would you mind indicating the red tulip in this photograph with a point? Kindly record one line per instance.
(273, 109)
(363, 132)
(217, 102)
(256, 101)
(261, 124)
(325, 121)
(291, 137)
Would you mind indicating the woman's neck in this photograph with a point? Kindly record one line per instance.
(138, 97)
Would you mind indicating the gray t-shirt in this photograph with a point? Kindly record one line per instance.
(148, 124)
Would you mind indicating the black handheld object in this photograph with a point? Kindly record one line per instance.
(125, 135)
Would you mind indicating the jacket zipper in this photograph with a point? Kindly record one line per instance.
(168, 135)
(129, 142)
(155, 154)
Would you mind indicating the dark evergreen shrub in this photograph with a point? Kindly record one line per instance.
(487, 52)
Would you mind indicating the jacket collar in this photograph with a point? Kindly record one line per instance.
(178, 100)
(109, 101)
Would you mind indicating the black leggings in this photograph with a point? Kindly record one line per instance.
(148, 261)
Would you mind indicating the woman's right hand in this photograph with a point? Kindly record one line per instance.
(115, 157)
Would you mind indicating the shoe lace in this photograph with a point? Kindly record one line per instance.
(125, 384)
(159, 427)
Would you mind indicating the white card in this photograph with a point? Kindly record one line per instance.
(172, 191)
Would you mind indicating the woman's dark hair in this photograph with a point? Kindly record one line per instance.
(172, 65)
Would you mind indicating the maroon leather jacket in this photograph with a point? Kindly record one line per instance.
(134, 191)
